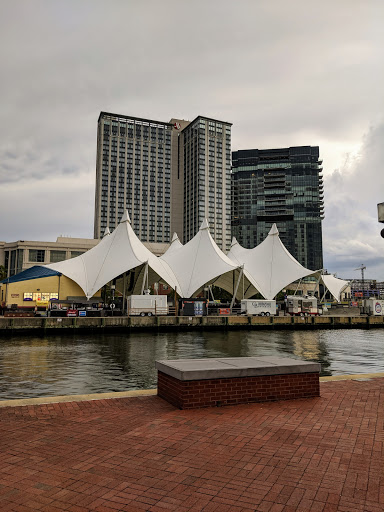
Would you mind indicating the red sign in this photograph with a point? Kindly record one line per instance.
(354, 304)
(224, 311)
(72, 312)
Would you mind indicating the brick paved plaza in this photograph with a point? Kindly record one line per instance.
(142, 454)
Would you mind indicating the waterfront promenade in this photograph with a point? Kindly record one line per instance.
(132, 452)
(12, 325)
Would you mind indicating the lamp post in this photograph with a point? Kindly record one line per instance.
(380, 216)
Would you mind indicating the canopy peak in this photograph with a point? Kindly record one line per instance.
(125, 217)
(204, 224)
(274, 230)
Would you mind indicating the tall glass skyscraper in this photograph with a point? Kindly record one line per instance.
(282, 186)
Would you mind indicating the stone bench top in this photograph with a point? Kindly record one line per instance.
(229, 367)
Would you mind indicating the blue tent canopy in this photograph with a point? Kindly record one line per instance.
(35, 272)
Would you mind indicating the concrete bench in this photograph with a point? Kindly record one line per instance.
(195, 383)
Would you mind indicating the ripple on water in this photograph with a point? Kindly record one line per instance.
(82, 364)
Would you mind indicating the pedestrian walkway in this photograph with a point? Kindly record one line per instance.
(141, 454)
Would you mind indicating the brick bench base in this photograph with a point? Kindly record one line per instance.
(194, 394)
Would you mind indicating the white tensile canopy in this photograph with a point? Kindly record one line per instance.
(198, 262)
(269, 266)
(175, 245)
(114, 255)
(334, 285)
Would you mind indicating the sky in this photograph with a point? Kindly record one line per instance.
(284, 73)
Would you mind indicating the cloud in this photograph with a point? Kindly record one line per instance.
(46, 209)
(351, 231)
(284, 74)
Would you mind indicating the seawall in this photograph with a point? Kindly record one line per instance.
(176, 323)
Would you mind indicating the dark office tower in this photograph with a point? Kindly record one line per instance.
(207, 178)
(282, 186)
(133, 171)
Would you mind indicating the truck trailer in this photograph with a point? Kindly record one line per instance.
(373, 307)
(299, 305)
(147, 305)
(258, 307)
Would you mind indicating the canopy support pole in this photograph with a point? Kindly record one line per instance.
(318, 287)
(145, 278)
(210, 289)
(325, 291)
(236, 288)
(124, 291)
(297, 287)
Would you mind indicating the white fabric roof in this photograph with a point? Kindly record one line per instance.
(198, 262)
(268, 266)
(334, 285)
(175, 245)
(115, 254)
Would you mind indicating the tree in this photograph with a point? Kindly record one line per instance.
(3, 272)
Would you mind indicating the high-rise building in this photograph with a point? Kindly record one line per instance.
(282, 186)
(168, 175)
(133, 171)
(207, 178)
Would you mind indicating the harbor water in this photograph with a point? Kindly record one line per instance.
(34, 366)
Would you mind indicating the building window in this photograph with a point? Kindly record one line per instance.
(37, 255)
(56, 256)
(74, 254)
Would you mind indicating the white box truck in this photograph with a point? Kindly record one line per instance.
(147, 305)
(373, 307)
(258, 307)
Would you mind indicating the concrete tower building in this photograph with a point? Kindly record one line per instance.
(207, 179)
(133, 171)
(168, 175)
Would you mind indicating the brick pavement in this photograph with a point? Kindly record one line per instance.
(142, 454)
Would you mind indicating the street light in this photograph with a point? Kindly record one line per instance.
(380, 216)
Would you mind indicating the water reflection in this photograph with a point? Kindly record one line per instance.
(60, 365)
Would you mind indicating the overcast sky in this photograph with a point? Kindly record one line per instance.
(283, 72)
